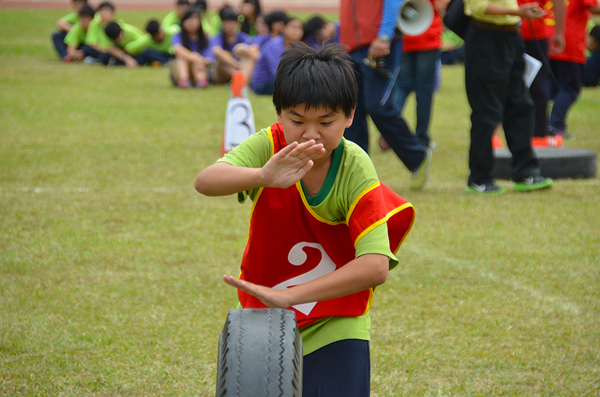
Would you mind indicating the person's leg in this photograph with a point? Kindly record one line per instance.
(407, 75)
(519, 117)
(540, 88)
(58, 39)
(487, 69)
(341, 369)
(381, 103)
(570, 80)
(90, 52)
(424, 88)
(358, 132)
(591, 75)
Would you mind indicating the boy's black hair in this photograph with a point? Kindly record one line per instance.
(86, 11)
(323, 78)
(113, 30)
(276, 16)
(153, 27)
(228, 14)
(313, 25)
(106, 4)
(185, 39)
(201, 5)
(182, 2)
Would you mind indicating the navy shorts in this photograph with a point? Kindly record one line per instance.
(341, 369)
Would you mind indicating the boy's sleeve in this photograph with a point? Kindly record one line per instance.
(71, 18)
(76, 36)
(136, 46)
(92, 36)
(377, 242)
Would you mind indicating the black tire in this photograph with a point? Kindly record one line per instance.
(260, 354)
(554, 163)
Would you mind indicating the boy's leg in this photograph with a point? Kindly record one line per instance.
(591, 76)
(406, 77)
(58, 38)
(425, 84)
(90, 52)
(487, 68)
(519, 118)
(341, 369)
(570, 80)
(540, 88)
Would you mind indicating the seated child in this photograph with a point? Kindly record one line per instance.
(263, 78)
(249, 12)
(225, 63)
(119, 36)
(95, 33)
(591, 74)
(192, 53)
(202, 6)
(64, 25)
(155, 46)
(323, 228)
(317, 31)
(77, 50)
(174, 18)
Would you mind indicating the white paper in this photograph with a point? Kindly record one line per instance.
(532, 67)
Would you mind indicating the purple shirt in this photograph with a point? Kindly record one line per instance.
(194, 45)
(218, 40)
(266, 66)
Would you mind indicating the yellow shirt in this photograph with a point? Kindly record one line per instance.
(476, 10)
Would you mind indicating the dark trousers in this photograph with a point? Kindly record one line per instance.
(341, 369)
(540, 88)
(148, 56)
(378, 98)
(591, 75)
(58, 39)
(494, 68)
(570, 80)
(418, 72)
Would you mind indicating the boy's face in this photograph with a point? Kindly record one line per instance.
(229, 27)
(277, 28)
(85, 21)
(321, 124)
(106, 14)
(77, 4)
(159, 36)
(293, 31)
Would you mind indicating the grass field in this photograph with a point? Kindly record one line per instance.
(111, 262)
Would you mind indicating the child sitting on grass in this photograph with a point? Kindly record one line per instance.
(64, 25)
(119, 36)
(192, 53)
(225, 62)
(155, 46)
(323, 229)
(77, 50)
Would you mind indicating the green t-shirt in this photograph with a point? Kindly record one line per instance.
(71, 18)
(351, 172)
(95, 31)
(76, 36)
(172, 19)
(146, 41)
(130, 34)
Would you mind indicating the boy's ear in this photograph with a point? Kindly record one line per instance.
(350, 118)
(279, 118)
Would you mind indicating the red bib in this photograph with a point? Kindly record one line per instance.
(289, 244)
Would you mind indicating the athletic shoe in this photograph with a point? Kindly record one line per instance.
(485, 189)
(383, 145)
(91, 60)
(433, 146)
(532, 183)
(184, 83)
(420, 177)
(548, 141)
(497, 142)
(558, 132)
(202, 83)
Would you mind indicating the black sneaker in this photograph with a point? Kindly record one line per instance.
(533, 183)
(485, 189)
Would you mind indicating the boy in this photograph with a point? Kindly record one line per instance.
(64, 25)
(120, 35)
(174, 17)
(75, 40)
(95, 33)
(591, 75)
(222, 45)
(320, 218)
(155, 46)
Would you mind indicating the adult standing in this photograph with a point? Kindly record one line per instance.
(367, 30)
(494, 68)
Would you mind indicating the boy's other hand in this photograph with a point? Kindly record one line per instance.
(269, 296)
(290, 164)
(531, 11)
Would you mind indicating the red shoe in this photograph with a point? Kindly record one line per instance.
(383, 145)
(548, 141)
(497, 142)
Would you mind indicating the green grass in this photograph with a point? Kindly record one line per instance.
(111, 263)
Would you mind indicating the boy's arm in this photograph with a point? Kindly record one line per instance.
(367, 271)
(530, 11)
(284, 169)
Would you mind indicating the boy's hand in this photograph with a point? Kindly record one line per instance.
(290, 164)
(269, 296)
(531, 11)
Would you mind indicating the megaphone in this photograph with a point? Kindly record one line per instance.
(415, 17)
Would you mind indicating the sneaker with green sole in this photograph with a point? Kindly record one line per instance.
(420, 177)
(485, 189)
(533, 183)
